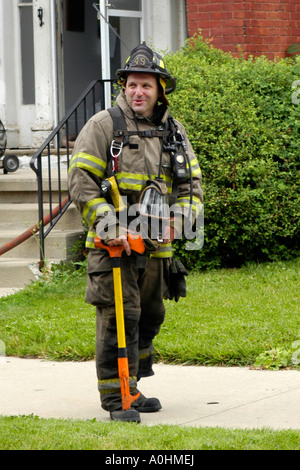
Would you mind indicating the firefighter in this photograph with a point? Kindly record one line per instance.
(141, 155)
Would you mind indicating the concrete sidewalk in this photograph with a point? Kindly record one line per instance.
(230, 397)
(5, 291)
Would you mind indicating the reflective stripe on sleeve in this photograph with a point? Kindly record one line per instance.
(94, 208)
(90, 239)
(88, 162)
(184, 203)
(195, 167)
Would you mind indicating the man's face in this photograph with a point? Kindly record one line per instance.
(141, 92)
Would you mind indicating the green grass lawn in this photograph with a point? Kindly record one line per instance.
(31, 433)
(230, 317)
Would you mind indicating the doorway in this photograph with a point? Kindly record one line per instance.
(121, 25)
(81, 51)
(93, 40)
(126, 19)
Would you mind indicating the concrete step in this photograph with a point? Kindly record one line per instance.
(21, 187)
(58, 244)
(29, 197)
(16, 273)
(21, 217)
(19, 212)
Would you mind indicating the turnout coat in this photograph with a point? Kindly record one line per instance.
(138, 162)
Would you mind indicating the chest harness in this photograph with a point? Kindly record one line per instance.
(173, 142)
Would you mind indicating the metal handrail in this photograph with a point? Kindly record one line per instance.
(51, 153)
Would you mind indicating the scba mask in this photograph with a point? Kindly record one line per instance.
(154, 213)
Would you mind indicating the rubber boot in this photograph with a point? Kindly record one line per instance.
(146, 405)
(129, 416)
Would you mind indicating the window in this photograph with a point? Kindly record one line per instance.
(75, 15)
(133, 5)
(27, 52)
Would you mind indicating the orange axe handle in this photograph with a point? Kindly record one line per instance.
(135, 242)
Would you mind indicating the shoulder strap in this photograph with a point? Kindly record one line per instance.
(118, 117)
(119, 137)
(119, 123)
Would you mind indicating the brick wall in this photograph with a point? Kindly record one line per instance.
(265, 27)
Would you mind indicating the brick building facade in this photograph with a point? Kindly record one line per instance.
(265, 27)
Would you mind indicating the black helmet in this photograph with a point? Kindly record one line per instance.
(143, 59)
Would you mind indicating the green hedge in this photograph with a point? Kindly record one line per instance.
(244, 128)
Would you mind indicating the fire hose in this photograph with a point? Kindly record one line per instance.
(34, 229)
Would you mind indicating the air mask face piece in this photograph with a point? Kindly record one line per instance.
(154, 210)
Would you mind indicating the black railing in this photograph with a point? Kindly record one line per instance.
(51, 161)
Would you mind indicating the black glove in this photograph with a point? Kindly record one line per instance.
(174, 275)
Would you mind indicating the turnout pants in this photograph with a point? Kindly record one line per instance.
(143, 314)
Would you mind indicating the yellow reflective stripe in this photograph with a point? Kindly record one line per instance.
(162, 255)
(167, 179)
(137, 182)
(88, 162)
(146, 352)
(195, 167)
(93, 208)
(186, 199)
(165, 251)
(196, 172)
(194, 162)
(132, 181)
(90, 239)
(113, 385)
(185, 202)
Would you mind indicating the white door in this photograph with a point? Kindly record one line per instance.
(122, 28)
